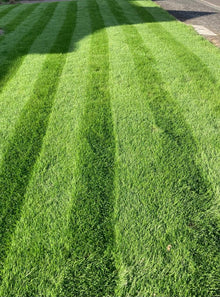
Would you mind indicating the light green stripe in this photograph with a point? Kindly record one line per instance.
(133, 121)
(91, 270)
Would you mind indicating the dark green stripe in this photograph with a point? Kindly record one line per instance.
(8, 9)
(22, 15)
(25, 145)
(15, 57)
(91, 270)
(174, 163)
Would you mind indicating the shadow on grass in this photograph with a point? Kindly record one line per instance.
(25, 146)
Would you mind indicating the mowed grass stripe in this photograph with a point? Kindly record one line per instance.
(197, 71)
(12, 40)
(15, 56)
(11, 15)
(6, 9)
(91, 269)
(18, 91)
(25, 145)
(132, 124)
(176, 155)
(192, 62)
(41, 240)
(199, 81)
(205, 50)
(23, 13)
(199, 105)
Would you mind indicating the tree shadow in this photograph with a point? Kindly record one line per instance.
(148, 12)
(24, 48)
(12, 52)
(17, 167)
(184, 15)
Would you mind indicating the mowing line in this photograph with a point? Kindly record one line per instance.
(18, 18)
(19, 89)
(12, 40)
(184, 34)
(15, 56)
(3, 12)
(25, 145)
(166, 124)
(10, 16)
(41, 240)
(196, 69)
(196, 86)
(183, 178)
(91, 269)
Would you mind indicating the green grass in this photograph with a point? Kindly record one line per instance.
(6, 9)
(16, 17)
(91, 265)
(25, 144)
(16, 51)
(109, 152)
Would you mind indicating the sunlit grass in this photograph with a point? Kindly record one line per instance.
(109, 152)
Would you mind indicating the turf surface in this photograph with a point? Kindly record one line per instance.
(109, 152)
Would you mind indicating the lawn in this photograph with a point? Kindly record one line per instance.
(109, 152)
